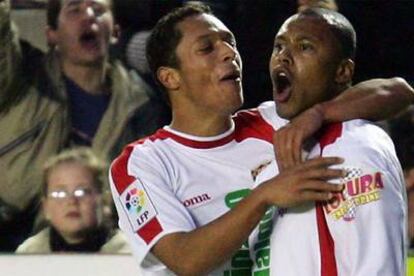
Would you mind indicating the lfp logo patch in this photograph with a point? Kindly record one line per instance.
(137, 206)
(135, 200)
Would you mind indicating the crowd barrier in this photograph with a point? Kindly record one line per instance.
(81, 265)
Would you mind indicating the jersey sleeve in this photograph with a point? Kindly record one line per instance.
(367, 221)
(146, 204)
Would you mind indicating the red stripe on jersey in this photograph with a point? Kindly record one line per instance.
(250, 124)
(326, 243)
(119, 169)
(150, 230)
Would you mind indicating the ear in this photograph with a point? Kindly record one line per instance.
(345, 71)
(116, 33)
(169, 77)
(51, 36)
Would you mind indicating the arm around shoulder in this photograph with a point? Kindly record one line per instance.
(375, 100)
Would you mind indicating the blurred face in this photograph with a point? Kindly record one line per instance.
(84, 31)
(303, 65)
(209, 65)
(72, 205)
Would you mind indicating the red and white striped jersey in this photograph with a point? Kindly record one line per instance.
(361, 231)
(174, 182)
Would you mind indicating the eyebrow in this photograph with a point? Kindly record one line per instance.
(222, 34)
(72, 3)
(299, 37)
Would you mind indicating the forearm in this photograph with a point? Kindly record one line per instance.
(215, 242)
(374, 100)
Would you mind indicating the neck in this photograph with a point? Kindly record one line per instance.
(92, 79)
(202, 126)
(73, 238)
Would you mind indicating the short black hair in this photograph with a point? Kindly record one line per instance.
(53, 9)
(341, 28)
(164, 38)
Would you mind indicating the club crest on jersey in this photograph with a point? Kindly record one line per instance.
(256, 171)
(137, 205)
(361, 187)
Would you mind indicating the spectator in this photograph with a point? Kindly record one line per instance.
(73, 204)
(73, 95)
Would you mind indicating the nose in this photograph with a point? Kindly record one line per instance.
(90, 13)
(87, 13)
(72, 200)
(285, 56)
(229, 52)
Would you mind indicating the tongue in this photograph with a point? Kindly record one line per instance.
(89, 43)
(282, 94)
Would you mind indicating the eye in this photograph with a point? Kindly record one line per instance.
(58, 194)
(277, 47)
(206, 47)
(73, 9)
(82, 192)
(306, 46)
(99, 9)
(231, 41)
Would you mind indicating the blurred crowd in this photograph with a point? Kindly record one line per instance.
(66, 113)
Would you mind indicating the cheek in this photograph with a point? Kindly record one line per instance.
(55, 215)
(90, 211)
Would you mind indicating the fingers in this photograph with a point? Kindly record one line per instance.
(322, 186)
(320, 162)
(309, 196)
(318, 191)
(286, 148)
(297, 148)
(325, 173)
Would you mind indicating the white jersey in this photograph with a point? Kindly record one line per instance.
(360, 232)
(173, 182)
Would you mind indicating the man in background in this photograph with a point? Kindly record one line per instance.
(72, 95)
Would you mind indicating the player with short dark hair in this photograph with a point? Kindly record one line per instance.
(362, 230)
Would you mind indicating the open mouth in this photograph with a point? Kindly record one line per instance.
(89, 40)
(282, 86)
(234, 75)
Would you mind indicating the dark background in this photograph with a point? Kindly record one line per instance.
(385, 31)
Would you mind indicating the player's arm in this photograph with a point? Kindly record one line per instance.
(373, 100)
(187, 250)
(217, 241)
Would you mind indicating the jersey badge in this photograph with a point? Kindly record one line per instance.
(362, 186)
(140, 211)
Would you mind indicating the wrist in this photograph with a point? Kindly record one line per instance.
(261, 196)
(322, 109)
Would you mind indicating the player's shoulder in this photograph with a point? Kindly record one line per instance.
(358, 137)
(366, 134)
(143, 148)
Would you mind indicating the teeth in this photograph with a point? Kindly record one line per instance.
(281, 74)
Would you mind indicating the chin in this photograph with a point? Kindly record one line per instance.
(285, 113)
